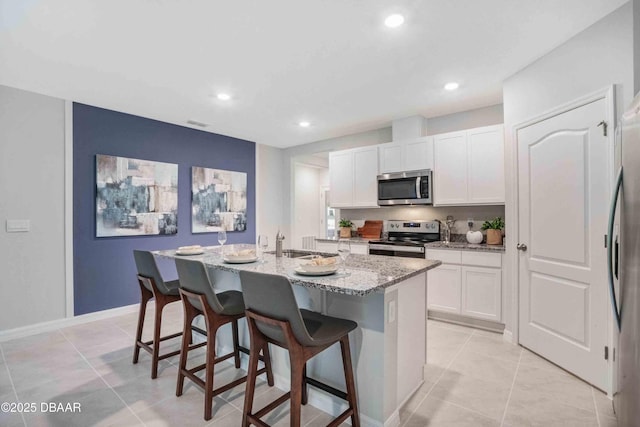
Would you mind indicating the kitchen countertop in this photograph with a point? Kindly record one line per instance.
(365, 274)
(464, 246)
(358, 240)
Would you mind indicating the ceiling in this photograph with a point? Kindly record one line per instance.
(330, 62)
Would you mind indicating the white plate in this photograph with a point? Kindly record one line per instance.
(239, 260)
(302, 272)
(188, 253)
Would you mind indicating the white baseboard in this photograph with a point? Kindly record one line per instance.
(507, 336)
(52, 325)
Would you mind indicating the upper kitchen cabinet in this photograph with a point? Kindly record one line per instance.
(353, 178)
(469, 167)
(404, 156)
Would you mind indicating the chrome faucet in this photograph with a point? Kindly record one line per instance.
(279, 239)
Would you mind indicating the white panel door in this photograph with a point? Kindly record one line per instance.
(482, 293)
(390, 158)
(450, 171)
(418, 154)
(365, 177)
(563, 200)
(341, 179)
(443, 288)
(485, 148)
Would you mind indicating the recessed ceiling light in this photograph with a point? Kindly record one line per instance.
(304, 124)
(451, 86)
(223, 96)
(394, 21)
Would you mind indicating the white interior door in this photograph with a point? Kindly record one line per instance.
(563, 200)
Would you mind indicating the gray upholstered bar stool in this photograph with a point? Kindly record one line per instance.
(274, 317)
(218, 309)
(153, 286)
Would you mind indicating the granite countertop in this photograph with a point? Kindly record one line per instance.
(464, 246)
(365, 274)
(358, 240)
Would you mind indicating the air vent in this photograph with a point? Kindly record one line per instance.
(196, 123)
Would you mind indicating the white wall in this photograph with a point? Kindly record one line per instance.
(306, 202)
(599, 56)
(32, 186)
(269, 192)
(486, 116)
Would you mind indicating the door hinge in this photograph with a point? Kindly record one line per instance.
(605, 240)
(606, 352)
(604, 127)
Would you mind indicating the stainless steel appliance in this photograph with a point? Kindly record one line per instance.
(406, 238)
(627, 399)
(405, 188)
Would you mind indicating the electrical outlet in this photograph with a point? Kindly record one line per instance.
(18, 225)
(391, 315)
(470, 222)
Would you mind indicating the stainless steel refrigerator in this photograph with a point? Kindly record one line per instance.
(624, 264)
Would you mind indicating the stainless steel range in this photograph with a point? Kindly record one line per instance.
(406, 238)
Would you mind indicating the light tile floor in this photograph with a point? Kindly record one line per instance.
(472, 379)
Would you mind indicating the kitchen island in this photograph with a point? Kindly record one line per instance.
(386, 296)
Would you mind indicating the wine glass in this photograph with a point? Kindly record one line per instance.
(222, 239)
(344, 250)
(263, 243)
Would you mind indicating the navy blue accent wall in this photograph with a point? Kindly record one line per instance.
(104, 271)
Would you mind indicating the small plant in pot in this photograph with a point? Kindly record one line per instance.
(345, 227)
(494, 231)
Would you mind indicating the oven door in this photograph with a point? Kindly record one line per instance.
(396, 250)
(405, 188)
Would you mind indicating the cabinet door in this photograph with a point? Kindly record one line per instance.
(365, 177)
(482, 293)
(390, 158)
(443, 288)
(341, 178)
(418, 154)
(485, 147)
(450, 171)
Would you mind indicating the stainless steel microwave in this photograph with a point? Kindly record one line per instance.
(405, 188)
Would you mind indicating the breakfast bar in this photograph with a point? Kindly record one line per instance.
(386, 296)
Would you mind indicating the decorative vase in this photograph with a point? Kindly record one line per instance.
(494, 237)
(345, 231)
(474, 237)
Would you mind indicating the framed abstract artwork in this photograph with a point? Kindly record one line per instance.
(135, 197)
(218, 200)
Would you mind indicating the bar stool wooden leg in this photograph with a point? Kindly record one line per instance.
(266, 358)
(187, 338)
(157, 326)
(209, 370)
(254, 354)
(350, 381)
(297, 367)
(305, 396)
(146, 296)
(236, 344)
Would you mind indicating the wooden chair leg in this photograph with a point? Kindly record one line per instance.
(297, 367)
(266, 356)
(349, 380)
(156, 339)
(145, 297)
(254, 353)
(189, 315)
(305, 397)
(236, 344)
(209, 372)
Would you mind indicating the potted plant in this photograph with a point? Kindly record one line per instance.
(345, 227)
(494, 231)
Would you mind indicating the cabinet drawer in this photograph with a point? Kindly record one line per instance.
(446, 256)
(482, 259)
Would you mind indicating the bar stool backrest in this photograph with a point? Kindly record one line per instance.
(193, 277)
(272, 296)
(146, 265)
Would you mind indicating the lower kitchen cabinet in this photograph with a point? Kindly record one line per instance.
(467, 283)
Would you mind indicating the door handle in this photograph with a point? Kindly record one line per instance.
(521, 247)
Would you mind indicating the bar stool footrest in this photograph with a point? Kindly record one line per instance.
(326, 387)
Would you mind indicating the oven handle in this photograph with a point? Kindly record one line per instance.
(391, 248)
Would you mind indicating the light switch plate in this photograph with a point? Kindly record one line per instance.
(392, 312)
(18, 225)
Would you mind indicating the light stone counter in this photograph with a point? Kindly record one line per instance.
(386, 296)
(464, 246)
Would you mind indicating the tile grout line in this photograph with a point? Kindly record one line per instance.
(595, 405)
(13, 386)
(513, 383)
(102, 378)
(440, 376)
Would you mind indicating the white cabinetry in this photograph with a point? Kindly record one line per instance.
(353, 177)
(469, 167)
(467, 283)
(360, 248)
(406, 155)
